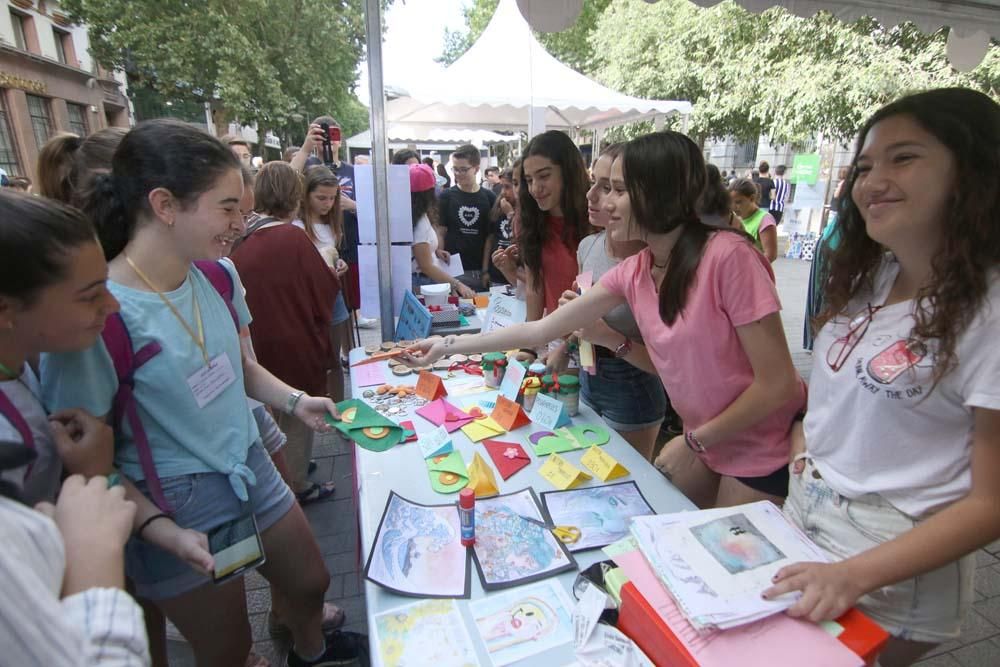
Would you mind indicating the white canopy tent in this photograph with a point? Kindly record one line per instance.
(556, 95)
(427, 137)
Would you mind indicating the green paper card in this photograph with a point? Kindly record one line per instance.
(448, 473)
(366, 427)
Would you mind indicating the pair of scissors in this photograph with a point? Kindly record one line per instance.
(566, 534)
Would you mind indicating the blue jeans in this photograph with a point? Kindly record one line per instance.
(627, 398)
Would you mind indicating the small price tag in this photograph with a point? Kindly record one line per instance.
(435, 443)
(604, 466)
(561, 473)
(510, 386)
(549, 412)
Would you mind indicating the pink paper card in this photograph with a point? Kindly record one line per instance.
(369, 374)
(443, 413)
(775, 640)
(585, 281)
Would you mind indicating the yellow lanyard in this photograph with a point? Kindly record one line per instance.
(199, 338)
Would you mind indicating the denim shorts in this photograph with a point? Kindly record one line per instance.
(340, 313)
(927, 608)
(627, 398)
(202, 501)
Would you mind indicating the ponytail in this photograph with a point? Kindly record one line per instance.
(105, 209)
(56, 162)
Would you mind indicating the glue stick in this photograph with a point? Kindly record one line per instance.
(467, 516)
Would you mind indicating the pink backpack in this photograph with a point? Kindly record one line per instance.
(14, 416)
(128, 360)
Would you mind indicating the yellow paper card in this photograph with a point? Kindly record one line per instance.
(587, 357)
(603, 465)
(482, 429)
(562, 473)
(481, 478)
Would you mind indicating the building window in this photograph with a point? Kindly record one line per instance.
(77, 118)
(41, 119)
(57, 37)
(8, 152)
(18, 21)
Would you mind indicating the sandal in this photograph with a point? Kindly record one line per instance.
(333, 618)
(315, 493)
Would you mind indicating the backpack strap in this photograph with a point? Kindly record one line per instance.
(222, 281)
(16, 419)
(127, 361)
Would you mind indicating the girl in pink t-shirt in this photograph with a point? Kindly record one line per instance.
(707, 309)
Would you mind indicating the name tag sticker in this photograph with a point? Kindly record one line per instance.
(208, 382)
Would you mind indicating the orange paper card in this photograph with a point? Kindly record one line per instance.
(381, 356)
(430, 387)
(481, 301)
(509, 414)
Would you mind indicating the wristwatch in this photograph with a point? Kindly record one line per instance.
(622, 350)
(693, 443)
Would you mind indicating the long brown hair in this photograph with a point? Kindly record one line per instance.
(534, 231)
(316, 177)
(67, 163)
(968, 124)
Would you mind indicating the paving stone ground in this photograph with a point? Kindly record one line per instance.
(335, 525)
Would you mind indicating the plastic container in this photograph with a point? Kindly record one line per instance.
(435, 295)
(548, 385)
(529, 389)
(536, 370)
(569, 393)
(494, 365)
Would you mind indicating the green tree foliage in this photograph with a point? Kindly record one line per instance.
(570, 46)
(749, 74)
(263, 59)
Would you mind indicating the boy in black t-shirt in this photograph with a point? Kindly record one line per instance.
(465, 217)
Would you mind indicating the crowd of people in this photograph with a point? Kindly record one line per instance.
(172, 323)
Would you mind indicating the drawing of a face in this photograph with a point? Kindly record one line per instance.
(529, 619)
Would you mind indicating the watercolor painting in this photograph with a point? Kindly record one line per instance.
(523, 622)
(513, 545)
(736, 543)
(602, 513)
(417, 551)
(424, 633)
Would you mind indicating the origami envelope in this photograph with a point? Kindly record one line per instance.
(443, 413)
(481, 478)
(508, 457)
(482, 428)
(366, 427)
(409, 431)
(448, 473)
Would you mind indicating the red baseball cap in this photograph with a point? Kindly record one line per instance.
(421, 178)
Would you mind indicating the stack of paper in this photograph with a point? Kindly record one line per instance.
(716, 563)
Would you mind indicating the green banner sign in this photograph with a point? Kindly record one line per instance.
(805, 168)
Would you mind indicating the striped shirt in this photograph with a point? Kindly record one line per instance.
(780, 194)
(99, 626)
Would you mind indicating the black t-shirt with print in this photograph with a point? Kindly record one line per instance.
(466, 216)
(503, 236)
(765, 185)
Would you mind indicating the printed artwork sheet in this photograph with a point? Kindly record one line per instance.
(417, 551)
(602, 513)
(513, 544)
(430, 632)
(523, 621)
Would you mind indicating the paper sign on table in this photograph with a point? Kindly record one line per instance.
(509, 414)
(483, 428)
(549, 412)
(510, 386)
(603, 465)
(369, 375)
(435, 443)
(430, 387)
(481, 478)
(508, 457)
(561, 473)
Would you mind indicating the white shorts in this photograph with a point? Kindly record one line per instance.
(927, 608)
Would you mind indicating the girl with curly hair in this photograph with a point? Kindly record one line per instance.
(894, 467)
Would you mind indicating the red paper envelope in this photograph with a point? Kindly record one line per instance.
(508, 457)
(443, 413)
(408, 428)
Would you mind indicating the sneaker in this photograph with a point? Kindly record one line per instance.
(343, 649)
(367, 322)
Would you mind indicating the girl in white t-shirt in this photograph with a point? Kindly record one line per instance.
(895, 471)
(323, 222)
(423, 203)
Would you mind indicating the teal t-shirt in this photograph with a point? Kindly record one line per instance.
(183, 438)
